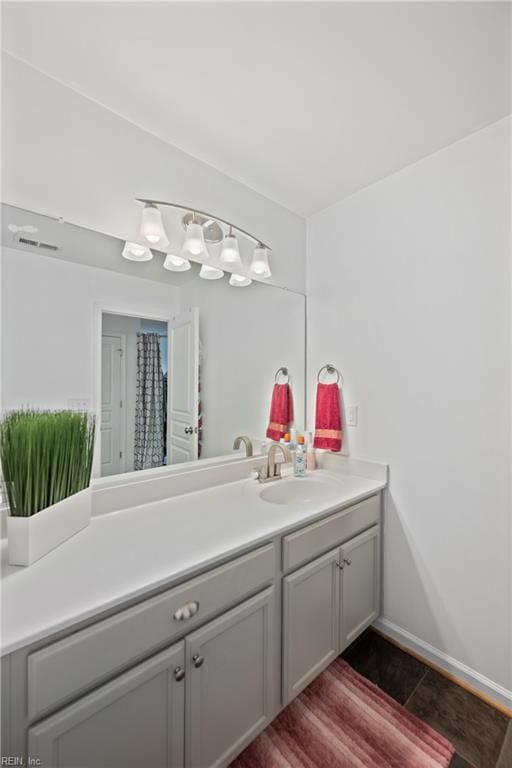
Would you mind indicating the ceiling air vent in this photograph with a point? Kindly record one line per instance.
(38, 244)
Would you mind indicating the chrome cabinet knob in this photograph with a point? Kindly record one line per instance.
(198, 660)
(179, 674)
(348, 562)
(189, 430)
(340, 565)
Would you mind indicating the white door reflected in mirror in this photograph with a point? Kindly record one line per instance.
(183, 428)
(112, 432)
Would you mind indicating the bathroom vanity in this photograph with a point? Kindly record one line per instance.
(172, 633)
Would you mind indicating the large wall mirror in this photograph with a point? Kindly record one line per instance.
(174, 366)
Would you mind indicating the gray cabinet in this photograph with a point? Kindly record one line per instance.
(303, 545)
(360, 584)
(135, 721)
(64, 670)
(219, 680)
(87, 700)
(310, 622)
(326, 605)
(229, 682)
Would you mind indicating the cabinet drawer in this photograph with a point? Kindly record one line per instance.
(78, 662)
(307, 543)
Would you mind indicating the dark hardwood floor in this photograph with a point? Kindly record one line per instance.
(481, 735)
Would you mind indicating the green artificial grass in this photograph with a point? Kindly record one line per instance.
(45, 456)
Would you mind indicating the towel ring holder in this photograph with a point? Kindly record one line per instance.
(331, 369)
(285, 372)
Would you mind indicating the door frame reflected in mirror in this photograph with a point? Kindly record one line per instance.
(123, 310)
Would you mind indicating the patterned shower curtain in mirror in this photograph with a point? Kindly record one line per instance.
(149, 405)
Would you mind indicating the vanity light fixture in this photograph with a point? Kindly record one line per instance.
(136, 252)
(259, 265)
(239, 281)
(202, 228)
(230, 254)
(194, 244)
(152, 228)
(210, 273)
(176, 263)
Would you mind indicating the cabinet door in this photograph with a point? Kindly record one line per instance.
(360, 584)
(135, 721)
(229, 679)
(310, 622)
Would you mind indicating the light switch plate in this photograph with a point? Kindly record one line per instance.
(78, 404)
(352, 415)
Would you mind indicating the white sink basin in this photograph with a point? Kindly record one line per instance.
(299, 490)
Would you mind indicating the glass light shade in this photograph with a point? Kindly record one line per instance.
(136, 252)
(239, 281)
(176, 263)
(152, 228)
(194, 242)
(210, 273)
(230, 253)
(259, 263)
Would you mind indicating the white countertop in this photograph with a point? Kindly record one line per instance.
(126, 554)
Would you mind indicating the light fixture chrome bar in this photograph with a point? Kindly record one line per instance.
(207, 215)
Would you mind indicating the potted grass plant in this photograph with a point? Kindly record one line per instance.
(46, 459)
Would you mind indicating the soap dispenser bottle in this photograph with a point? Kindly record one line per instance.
(299, 464)
(310, 453)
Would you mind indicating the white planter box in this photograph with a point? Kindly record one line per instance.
(29, 538)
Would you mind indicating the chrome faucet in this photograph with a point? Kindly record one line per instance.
(246, 441)
(272, 469)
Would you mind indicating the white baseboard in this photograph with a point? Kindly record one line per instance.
(474, 679)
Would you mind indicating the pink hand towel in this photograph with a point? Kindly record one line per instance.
(281, 411)
(328, 417)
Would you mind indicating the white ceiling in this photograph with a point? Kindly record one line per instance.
(304, 102)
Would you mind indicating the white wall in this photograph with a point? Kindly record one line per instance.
(246, 335)
(47, 314)
(409, 294)
(67, 156)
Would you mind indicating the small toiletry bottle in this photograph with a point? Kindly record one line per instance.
(299, 464)
(310, 454)
(287, 440)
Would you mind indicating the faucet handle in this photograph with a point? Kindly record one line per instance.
(263, 473)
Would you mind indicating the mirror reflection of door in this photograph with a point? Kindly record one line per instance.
(149, 391)
(183, 432)
(112, 432)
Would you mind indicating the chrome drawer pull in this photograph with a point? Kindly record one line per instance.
(179, 674)
(198, 660)
(186, 611)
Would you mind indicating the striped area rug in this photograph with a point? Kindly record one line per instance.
(342, 720)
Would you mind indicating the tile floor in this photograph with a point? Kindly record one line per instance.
(481, 735)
